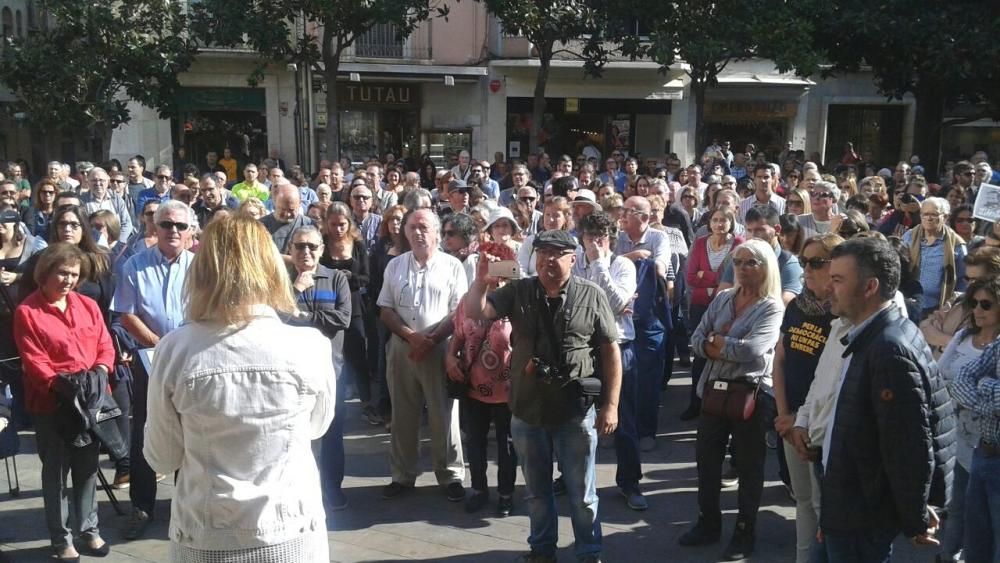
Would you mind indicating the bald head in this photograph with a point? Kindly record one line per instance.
(638, 203)
(287, 201)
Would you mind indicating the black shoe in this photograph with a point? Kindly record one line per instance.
(137, 524)
(684, 362)
(691, 412)
(394, 489)
(741, 546)
(455, 491)
(87, 549)
(505, 505)
(477, 501)
(558, 487)
(703, 533)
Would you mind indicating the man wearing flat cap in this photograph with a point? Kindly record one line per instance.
(558, 320)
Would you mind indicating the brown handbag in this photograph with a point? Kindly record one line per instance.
(734, 400)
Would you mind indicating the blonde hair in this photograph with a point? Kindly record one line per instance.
(236, 268)
(763, 253)
(254, 203)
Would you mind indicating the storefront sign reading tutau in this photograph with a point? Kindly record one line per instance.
(378, 94)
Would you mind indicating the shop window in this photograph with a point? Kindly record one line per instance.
(443, 146)
(878, 128)
(8, 22)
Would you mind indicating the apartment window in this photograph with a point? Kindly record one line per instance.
(381, 41)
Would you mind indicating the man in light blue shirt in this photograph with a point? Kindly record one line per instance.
(481, 171)
(149, 303)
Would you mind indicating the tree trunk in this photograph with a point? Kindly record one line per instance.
(698, 87)
(927, 130)
(538, 108)
(104, 132)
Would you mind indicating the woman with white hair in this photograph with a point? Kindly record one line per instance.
(737, 336)
(937, 254)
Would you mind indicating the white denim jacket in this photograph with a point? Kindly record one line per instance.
(235, 410)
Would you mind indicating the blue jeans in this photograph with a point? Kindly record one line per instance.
(650, 349)
(982, 510)
(626, 438)
(861, 546)
(954, 524)
(575, 442)
(331, 452)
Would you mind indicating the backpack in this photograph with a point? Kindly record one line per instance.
(651, 301)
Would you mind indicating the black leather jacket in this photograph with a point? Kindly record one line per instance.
(893, 445)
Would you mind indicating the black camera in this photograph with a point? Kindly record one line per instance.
(549, 374)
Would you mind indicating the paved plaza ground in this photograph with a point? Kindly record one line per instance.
(424, 526)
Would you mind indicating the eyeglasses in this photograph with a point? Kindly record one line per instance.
(71, 225)
(815, 263)
(162, 177)
(14, 193)
(984, 304)
(169, 225)
(749, 262)
(360, 197)
(301, 246)
(118, 181)
(633, 211)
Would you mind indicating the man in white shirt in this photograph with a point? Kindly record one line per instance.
(420, 293)
(763, 195)
(462, 170)
(616, 276)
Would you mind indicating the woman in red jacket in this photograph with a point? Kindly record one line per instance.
(59, 331)
(705, 264)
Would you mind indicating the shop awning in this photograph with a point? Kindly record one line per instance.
(769, 79)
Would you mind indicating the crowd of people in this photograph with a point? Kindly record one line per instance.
(846, 315)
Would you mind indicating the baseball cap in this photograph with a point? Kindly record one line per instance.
(458, 185)
(554, 239)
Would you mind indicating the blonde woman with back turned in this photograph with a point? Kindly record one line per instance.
(237, 417)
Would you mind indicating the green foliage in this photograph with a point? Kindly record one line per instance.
(81, 69)
(269, 26)
(943, 47)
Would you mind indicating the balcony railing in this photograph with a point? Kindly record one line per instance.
(383, 42)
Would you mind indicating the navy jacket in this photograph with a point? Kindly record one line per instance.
(893, 445)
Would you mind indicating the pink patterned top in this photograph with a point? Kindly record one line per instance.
(485, 356)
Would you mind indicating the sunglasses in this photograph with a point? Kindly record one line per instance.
(169, 225)
(815, 263)
(824, 195)
(300, 246)
(13, 193)
(361, 197)
(984, 304)
(749, 262)
(527, 199)
(162, 177)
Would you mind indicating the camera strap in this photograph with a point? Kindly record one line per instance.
(548, 323)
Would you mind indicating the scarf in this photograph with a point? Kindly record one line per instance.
(811, 305)
(950, 239)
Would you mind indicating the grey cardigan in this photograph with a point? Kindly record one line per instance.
(750, 341)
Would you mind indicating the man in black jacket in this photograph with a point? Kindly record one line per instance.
(889, 449)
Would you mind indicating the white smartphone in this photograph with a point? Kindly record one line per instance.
(508, 269)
